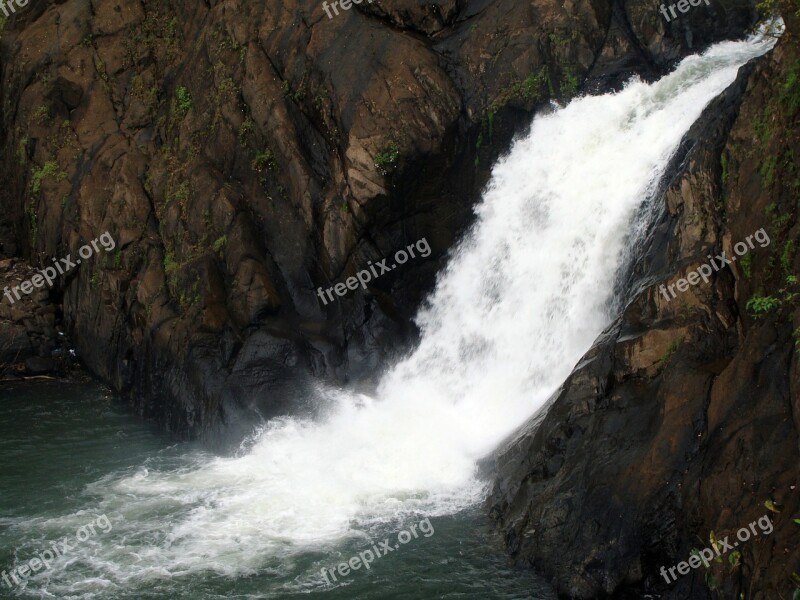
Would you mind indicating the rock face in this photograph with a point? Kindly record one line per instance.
(32, 341)
(244, 154)
(683, 420)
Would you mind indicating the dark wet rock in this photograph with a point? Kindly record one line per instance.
(37, 365)
(32, 341)
(683, 419)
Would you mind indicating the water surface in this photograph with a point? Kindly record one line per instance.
(62, 443)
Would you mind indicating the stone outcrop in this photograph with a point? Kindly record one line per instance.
(682, 423)
(32, 340)
(245, 153)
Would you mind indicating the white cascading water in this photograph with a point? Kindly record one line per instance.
(523, 298)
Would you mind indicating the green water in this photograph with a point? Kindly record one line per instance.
(62, 443)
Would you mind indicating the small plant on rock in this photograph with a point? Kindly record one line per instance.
(386, 159)
(671, 349)
(759, 305)
(48, 169)
(263, 160)
(219, 244)
(184, 100)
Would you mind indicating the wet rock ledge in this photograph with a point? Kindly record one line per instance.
(682, 423)
(32, 341)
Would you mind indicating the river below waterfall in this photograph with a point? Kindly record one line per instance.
(59, 443)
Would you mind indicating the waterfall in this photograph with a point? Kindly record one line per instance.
(523, 296)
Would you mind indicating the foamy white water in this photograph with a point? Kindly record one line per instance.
(523, 297)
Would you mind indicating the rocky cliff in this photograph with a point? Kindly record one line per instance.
(244, 154)
(681, 425)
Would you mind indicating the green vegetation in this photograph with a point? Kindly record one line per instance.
(41, 115)
(219, 244)
(790, 297)
(759, 305)
(22, 149)
(296, 95)
(723, 161)
(147, 95)
(762, 127)
(767, 170)
(529, 90)
(152, 41)
(48, 169)
(767, 7)
(246, 128)
(747, 266)
(771, 8)
(181, 195)
(772, 506)
(478, 144)
(569, 84)
(777, 221)
(226, 90)
(320, 100)
(172, 29)
(787, 257)
(790, 90)
(189, 296)
(170, 264)
(100, 67)
(561, 41)
(184, 100)
(386, 159)
(734, 561)
(263, 160)
(671, 349)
